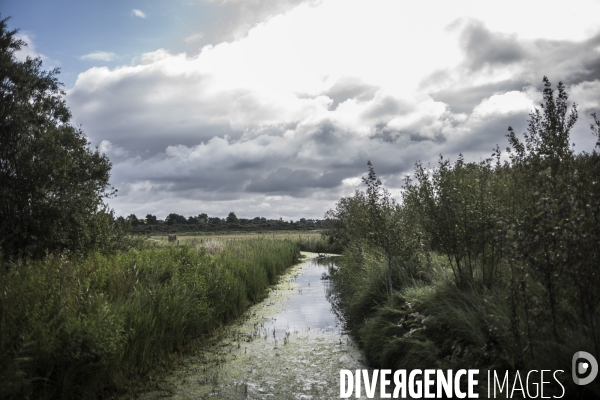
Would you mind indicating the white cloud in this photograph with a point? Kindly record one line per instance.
(194, 38)
(506, 103)
(99, 56)
(113, 151)
(308, 96)
(138, 13)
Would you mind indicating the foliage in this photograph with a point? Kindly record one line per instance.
(174, 218)
(507, 254)
(203, 223)
(53, 184)
(316, 244)
(93, 323)
(461, 215)
(374, 220)
(232, 218)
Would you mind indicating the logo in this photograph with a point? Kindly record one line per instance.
(584, 363)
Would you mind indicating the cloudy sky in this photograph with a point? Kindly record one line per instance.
(273, 107)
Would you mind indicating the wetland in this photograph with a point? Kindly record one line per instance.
(291, 345)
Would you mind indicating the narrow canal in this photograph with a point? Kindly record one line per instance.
(289, 346)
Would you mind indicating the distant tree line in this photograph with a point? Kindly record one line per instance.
(203, 223)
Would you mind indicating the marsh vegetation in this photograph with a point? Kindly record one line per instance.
(76, 326)
(489, 265)
(311, 241)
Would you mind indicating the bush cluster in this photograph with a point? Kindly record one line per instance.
(491, 264)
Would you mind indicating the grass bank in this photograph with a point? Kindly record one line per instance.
(312, 241)
(431, 323)
(77, 327)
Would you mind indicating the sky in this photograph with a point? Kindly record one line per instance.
(272, 108)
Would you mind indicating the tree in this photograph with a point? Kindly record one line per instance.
(213, 221)
(52, 185)
(151, 219)
(133, 220)
(175, 218)
(232, 218)
(545, 163)
(384, 222)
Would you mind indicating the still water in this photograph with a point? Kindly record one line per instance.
(289, 346)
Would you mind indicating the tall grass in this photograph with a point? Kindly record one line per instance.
(433, 323)
(75, 327)
(317, 244)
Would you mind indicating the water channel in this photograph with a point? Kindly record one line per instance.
(289, 346)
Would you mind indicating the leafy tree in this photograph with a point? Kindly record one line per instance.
(232, 218)
(458, 207)
(384, 223)
(52, 184)
(133, 220)
(214, 220)
(595, 127)
(151, 219)
(552, 222)
(174, 218)
(346, 224)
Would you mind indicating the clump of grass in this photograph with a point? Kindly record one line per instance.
(74, 327)
(316, 244)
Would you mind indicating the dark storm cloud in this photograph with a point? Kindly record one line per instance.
(463, 100)
(350, 88)
(294, 181)
(487, 133)
(387, 107)
(325, 134)
(561, 60)
(147, 110)
(175, 177)
(151, 139)
(484, 48)
(568, 61)
(383, 134)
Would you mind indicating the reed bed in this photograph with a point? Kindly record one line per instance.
(79, 327)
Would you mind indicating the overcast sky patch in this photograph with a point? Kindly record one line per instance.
(279, 111)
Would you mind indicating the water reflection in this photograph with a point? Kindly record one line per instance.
(309, 308)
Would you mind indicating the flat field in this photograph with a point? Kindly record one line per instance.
(193, 238)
